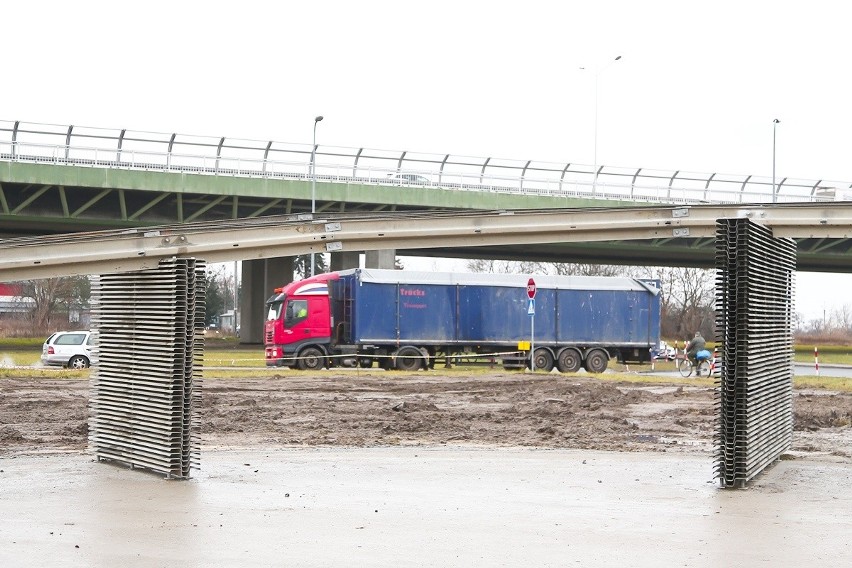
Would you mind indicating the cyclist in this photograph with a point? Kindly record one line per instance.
(693, 347)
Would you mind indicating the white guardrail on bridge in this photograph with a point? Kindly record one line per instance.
(202, 155)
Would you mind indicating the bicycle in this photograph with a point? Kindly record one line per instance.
(700, 365)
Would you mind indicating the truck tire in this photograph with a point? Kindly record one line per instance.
(311, 359)
(408, 359)
(543, 359)
(365, 362)
(596, 361)
(569, 360)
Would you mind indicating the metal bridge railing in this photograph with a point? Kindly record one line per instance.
(105, 148)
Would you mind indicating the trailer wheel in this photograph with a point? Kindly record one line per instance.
(311, 359)
(408, 359)
(596, 361)
(569, 361)
(543, 359)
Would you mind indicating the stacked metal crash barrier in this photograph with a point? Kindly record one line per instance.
(146, 390)
(754, 290)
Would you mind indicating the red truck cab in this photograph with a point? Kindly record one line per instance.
(297, 330)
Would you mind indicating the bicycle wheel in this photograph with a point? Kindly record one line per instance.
(704, 369)
(685, 367)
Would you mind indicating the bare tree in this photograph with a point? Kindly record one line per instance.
(576, 269)
(499, 266)
(841, 317)
(55, 295)
(557, 268)
(688, 301)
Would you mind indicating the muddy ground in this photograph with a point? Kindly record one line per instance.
(359, 408)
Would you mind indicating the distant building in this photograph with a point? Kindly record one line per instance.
(11, 301)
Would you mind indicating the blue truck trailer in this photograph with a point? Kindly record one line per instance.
(406, 320)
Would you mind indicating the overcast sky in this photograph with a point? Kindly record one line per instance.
(697, 87)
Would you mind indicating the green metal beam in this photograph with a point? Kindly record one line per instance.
(91, 202)
(206, 208)
(122, 204)
(150, 204)
(261, 210)
(38, 193)
(64, 201)
(4, 205)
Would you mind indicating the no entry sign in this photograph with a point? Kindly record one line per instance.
(531, 288)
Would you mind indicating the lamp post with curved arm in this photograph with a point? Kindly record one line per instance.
(314, 181)
(597, 76)
(774, 189)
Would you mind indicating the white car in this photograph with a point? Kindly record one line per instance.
(72, 349)
(408, 179)
(664, 351)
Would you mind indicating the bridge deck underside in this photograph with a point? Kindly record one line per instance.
(33, 209)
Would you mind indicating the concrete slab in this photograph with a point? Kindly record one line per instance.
(416, 506)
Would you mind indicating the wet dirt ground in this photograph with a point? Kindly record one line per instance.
(427, 469)
(366, 409)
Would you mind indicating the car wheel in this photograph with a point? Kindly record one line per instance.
(78, 362)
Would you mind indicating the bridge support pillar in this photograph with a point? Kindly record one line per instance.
(260, 278)
(345, 260)
(380, 259)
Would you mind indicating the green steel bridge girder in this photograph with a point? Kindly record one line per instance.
(40, 199)
(85, 196)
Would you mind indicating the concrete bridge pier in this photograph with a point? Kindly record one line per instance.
(260, 278)
(345, 260)
(385, 259)
(372, 259)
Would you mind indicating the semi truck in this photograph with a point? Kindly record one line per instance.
(406, 320)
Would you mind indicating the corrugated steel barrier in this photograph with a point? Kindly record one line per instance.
(754, 315)
(146, 392)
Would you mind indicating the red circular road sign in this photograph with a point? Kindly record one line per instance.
(531, 288)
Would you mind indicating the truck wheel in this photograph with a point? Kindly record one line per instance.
(311, 359)
(596, 361)
(569, 361)
(408, 359)
(365, 362)
(543, 360)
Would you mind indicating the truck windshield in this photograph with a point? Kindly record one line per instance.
(274, 311)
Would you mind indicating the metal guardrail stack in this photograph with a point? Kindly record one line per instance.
(146, 391)
(754, 287)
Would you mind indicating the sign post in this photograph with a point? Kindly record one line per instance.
(531, 313)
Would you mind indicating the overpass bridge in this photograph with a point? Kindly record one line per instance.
(61, 179)
(146, 401)
(268, 237)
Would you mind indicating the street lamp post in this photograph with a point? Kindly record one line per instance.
(597, 75)
(314, 182)
(774, 189)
